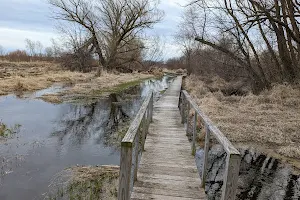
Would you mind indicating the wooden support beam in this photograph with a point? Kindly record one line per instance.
(144, 130)
(231, 176)
(194, 134)
(188, 108)
(125, 172)
(136, 153)
(205, 158)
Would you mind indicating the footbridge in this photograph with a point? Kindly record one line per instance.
(157, 158)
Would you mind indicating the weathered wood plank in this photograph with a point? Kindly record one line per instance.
(194, 134)
(156, 195)
(169, 192)
(205, 160)
(125, 172)
(231, 176)
(134, 126)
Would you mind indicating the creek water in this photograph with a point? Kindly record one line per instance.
(261, 177)
(54, 137)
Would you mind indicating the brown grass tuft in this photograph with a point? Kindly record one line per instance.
(51, 98)
(88, 183)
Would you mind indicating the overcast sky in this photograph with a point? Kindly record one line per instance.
(20, 19)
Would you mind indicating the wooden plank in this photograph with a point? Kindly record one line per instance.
(134, 126)
(144, 130)
(231, 175)
(125, 173)
(143, 195)
(167, 177)
(136, 159)
(188, 117)
(170, 192)
(205, 159)
(194, 134)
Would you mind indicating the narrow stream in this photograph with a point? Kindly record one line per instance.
(54, 137)
(261, 177)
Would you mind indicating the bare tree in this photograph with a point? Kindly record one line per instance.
(56, 48)
(1, 51)
(39, 48)
(31, 47)
(264, 34)
(49, 53)
(185, 37)
(110, 24)
(153, 50)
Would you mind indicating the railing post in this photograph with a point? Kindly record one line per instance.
(148, 119)
(231, 176)
(136, 149)
(125, 171)
(151, 107)
(144, 130)
(180, 101)
(194, 134)
(183, 109)
(188, 105)
(205, 159)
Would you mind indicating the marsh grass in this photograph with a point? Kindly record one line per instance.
(86, 183)
(6, 132)
(29, 77)
(270, 119)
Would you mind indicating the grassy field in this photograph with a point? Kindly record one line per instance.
(269, 121)
(31, 76)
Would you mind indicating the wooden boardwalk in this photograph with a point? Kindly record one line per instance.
(167, 168)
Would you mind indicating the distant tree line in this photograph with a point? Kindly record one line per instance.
(34, 51)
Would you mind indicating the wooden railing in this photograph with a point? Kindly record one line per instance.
(231, 173)
(132, 147)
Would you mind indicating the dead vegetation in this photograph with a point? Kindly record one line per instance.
(6, 132)
(31, 76)
(86, 183)
(270, 120)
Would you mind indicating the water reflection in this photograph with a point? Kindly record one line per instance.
(261, 177)
(53, 137)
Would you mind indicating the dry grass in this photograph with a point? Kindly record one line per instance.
(271, 119)
(105, 81)
(87, 183)
(28, 77)
(50, 98)
(22, 77)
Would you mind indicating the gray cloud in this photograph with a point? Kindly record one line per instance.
(26, 15)
(20, 19)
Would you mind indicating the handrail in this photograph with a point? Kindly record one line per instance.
(132, 146)
(186, 103)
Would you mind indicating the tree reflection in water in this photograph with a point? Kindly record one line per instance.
(105, 121)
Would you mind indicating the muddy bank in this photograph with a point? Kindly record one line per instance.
(261, 176)
(57, 136)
